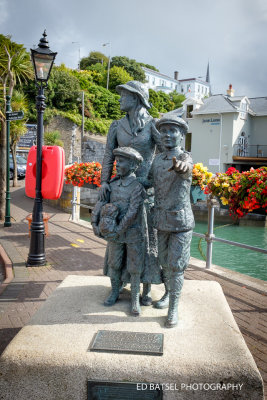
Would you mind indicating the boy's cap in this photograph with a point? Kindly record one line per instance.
(138, 88)
(174, 120)
(128, 152)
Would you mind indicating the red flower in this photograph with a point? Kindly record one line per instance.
(231, 170)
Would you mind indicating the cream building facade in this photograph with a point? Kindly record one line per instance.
(227, 130)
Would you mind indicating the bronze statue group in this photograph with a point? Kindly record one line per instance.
(144, 213)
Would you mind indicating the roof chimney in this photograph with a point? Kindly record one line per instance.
(230, 91)
(176, 75)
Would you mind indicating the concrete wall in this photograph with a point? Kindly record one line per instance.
(70, 135)
(206, 131)
(93, 148)
(259, 131)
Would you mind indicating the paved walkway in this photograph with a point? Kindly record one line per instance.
(73, 249)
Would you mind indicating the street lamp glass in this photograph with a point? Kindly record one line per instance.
(42, 65)
(43, 59)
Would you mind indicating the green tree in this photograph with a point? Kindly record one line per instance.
(97, 72)
(15, 67)
(104, 102)
(52, 138)
(93, 58)
(177, 99)
(149, 66)
(117, 76)
(63, 90)
(17, 128)
(131, 66)
(160, 101)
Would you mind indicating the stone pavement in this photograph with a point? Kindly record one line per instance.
(73, 249)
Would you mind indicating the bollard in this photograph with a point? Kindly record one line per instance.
(75, 214)
(209, 235)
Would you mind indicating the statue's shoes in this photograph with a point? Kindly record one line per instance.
(146, 301)
(171, 323)
(111, 299)
(163, 302)
(135, 310)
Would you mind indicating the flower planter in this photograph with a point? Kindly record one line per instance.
(89, 186)
(197, 194)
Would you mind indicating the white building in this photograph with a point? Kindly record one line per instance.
(227, 130)
(192, 87)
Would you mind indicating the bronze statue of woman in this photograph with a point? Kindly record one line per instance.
(136, 130)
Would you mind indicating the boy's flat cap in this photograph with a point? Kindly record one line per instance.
(174, 120)
(128, 152)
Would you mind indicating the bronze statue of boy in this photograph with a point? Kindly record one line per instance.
(171, 177)
(121, 221)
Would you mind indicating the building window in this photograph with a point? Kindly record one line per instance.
(188, 141)
(189, 109)
(153, 82)
(198, 88)
(189, 88)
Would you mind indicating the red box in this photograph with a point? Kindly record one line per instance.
(53, 166)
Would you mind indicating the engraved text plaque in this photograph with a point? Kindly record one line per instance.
(128, 342)
(121, 391)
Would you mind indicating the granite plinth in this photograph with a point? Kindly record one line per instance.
(202, 356)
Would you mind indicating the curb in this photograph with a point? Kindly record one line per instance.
(229, 275)
(8, 267)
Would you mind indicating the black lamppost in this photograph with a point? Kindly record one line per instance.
(43, 60)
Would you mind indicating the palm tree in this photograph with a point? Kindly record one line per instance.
(17, 129)
(15, 67)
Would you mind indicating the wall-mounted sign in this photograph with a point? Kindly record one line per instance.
(214, 161)
(29, 139)
(212, 121)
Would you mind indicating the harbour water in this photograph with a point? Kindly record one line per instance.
(235, 258)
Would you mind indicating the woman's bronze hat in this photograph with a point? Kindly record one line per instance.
(138, 88)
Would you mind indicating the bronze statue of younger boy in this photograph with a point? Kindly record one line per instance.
(121, 220)
(171, 177)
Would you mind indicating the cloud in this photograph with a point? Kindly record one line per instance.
(172, 35)
(3, 11)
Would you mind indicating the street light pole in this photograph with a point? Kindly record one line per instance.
(105, 44)
(79, 50)
(37, 253)
(43, 60)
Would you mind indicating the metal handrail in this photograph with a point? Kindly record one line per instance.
(244, 246)
(209, 236)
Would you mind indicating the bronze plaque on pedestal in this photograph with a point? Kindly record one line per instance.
(122, 391)
(128, 342)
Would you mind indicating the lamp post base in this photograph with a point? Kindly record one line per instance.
(37, 260)
(36, 254)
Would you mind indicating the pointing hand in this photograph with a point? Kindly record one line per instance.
(178, 166)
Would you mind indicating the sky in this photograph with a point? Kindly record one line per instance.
(172, 35)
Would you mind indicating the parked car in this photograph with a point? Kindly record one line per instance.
(21, 167)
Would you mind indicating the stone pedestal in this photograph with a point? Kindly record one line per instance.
(204, 357)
